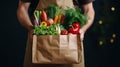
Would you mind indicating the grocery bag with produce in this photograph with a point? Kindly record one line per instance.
(56, 38)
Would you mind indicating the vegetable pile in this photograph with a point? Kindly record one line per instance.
(56, 21)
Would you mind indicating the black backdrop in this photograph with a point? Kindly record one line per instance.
(13, 41)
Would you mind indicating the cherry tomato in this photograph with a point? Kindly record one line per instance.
(64, 32)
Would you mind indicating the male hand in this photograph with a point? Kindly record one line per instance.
(30, 34)
(82, 34)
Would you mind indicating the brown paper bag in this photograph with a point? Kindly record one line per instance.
(56, 49)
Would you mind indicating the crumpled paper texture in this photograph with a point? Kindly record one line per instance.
(56, 49)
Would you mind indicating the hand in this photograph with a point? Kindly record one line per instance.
(82, 34)
(31, 35)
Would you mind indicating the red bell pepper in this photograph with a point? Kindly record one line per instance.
(75, 28)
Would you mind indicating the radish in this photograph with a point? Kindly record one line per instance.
(50, 21)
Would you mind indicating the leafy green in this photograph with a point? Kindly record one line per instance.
(69, 16)
(52, 11)
(46, 30)
(74, 15)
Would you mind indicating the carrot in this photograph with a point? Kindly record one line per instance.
(59, 17)
(44, 16)
(56, 19)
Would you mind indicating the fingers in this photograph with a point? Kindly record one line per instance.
(31, 35)
(82, 34)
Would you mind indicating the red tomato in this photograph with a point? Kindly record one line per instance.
(64, 32)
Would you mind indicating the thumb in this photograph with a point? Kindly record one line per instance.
(82, 34)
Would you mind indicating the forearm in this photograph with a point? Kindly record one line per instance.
(23, 17)
(89, 11)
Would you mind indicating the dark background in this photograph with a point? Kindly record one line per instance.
(13, 36)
